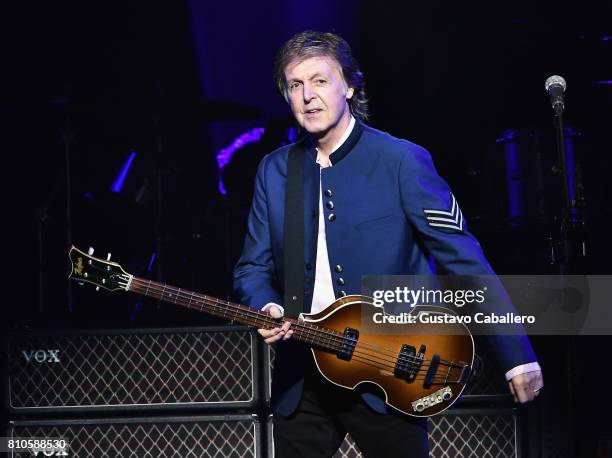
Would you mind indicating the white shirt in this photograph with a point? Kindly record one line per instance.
(323, 291)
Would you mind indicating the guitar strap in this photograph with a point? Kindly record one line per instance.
(294, 232)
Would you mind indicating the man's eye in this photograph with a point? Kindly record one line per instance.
(321, 81)
(294, 85)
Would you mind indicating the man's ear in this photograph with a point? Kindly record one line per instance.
(349, 93)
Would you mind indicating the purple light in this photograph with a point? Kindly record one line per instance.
(151, 262)
(606, 38)
(603, 82)
(118, 183)
(225, 155)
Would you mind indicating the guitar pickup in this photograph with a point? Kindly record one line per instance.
(409, 362)
(349, 342)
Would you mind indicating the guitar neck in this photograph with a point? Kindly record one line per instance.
(305, 332)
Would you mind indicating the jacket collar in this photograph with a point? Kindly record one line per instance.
(348, 145)
(343, 150)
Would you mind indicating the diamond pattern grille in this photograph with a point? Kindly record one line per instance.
(135, 369)
(460, 436)
(181, 439)
(484, 436)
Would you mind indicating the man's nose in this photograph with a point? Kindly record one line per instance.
(309, 94)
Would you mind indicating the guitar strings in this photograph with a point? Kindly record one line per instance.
(258, 316)
(335, 338)
(266, 319)
(363, 359)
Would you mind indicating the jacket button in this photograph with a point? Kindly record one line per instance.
(341, 293)
(329, 205)
(329, 193)
(308, 266)
(331, 217)
(340, 281)
(338, 268)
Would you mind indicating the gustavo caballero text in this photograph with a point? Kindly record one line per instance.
(444, 318)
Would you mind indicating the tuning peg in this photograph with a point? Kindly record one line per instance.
(90, 251)
(97, 288)
(108, 256)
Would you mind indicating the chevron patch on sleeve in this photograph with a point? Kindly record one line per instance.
(449, 219)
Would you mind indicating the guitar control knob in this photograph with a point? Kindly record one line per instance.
(419, 407)
(108, 256)
(97, 288)
(447, 395)
(90, 251)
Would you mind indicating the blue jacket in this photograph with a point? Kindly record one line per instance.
(386, 211)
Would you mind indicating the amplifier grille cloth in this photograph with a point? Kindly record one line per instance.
(180, 439)
(456, 436)
(133, 369)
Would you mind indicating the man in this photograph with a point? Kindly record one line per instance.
(364, 196)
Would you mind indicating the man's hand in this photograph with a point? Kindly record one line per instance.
(282, 332)
(525, 387)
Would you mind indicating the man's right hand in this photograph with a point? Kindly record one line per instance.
(282, 332)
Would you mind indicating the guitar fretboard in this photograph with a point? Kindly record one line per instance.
(306, 332)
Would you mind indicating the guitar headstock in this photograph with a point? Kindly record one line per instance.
(104, 274)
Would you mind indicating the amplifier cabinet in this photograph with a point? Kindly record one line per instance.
(142, 369)
(231, 436)
(457, 433)
(464, 433)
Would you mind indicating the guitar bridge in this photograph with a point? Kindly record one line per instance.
(349, 342)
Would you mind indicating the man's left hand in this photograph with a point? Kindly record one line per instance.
(525, 387)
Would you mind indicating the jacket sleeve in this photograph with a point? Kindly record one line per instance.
(435, 215)
(255, 272)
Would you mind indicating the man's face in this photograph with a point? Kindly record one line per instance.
(317, 94)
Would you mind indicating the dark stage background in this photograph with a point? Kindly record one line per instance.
(89, 87)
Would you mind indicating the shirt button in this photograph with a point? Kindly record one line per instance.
(331, 217)
(340, 281)
(329, 205)
(329, 193)
(338, 268)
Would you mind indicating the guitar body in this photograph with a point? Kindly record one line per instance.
(451, 342)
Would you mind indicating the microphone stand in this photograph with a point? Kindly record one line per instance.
(571, 230)
(572, 223)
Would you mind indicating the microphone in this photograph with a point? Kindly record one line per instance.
(555, 86)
